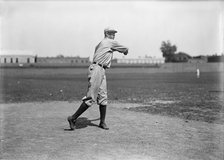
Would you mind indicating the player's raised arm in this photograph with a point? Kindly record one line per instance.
(118, 47)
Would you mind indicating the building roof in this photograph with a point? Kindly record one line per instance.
(183, 54)
(16, 56)
(16, 53)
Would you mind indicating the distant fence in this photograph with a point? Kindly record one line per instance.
(191, 67)
(74, 65)
(45, 65)
(166, 67)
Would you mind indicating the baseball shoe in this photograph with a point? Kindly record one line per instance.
(103, 126)
(71, 122)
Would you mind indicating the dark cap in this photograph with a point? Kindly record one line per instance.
(110, 30)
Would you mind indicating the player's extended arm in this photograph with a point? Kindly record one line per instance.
(120, 48)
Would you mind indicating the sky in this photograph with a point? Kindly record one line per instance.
(74, 28)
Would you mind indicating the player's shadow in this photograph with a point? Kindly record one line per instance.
(83, 122)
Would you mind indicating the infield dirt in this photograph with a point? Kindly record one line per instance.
(39, 131)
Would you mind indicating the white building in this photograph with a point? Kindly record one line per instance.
(147, 60)
(20, 57)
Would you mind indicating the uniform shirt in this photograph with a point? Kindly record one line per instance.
(104, 51)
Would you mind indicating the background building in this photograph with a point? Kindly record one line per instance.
(145, 60)
(216, 58)
(181, 57)
(198, 59)
(20, 58)
(63, 60)
(17, 57)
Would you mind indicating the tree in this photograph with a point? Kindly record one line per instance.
(168, 50)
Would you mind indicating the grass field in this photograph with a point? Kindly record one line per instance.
(171, 94)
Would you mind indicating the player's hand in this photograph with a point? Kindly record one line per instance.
(126, 52)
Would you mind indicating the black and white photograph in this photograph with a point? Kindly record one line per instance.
(112, 79)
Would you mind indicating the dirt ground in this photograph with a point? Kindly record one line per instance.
(39, 131)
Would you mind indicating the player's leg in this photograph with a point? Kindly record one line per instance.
(72, 119)
(103, 109)
(94, 81)
(102, 101)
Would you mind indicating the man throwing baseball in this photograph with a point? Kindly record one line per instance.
(97, 86)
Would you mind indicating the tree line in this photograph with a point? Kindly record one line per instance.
(170, 54)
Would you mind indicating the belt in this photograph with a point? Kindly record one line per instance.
(104, 67)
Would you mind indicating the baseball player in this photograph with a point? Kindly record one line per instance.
(198, 73)
(97, 86)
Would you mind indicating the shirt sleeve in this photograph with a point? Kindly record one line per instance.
(118, 47)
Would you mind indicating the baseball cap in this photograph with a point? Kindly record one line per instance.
(110, 30)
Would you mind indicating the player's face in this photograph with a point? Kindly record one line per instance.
(111, 35)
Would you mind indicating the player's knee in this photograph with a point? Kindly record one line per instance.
(88, 101)
(104, 102)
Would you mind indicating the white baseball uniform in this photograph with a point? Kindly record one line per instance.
(97, 86)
